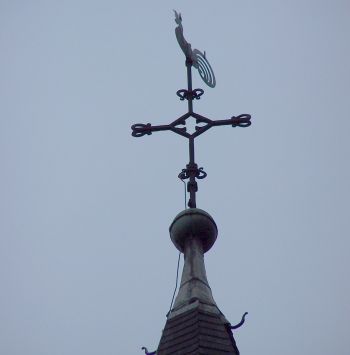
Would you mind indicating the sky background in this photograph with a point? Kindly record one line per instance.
(86, 263)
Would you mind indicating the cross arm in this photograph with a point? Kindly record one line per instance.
(235, 121)
(240, 121)
(140, 129)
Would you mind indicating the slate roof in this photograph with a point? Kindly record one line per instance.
(197, 332)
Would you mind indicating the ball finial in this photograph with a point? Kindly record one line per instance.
(193, 222)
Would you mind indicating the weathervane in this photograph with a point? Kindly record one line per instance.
(198, 60)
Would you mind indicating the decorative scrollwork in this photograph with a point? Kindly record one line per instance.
(182, 94)
(140, 129)
(183, 175)
(197, 93)
(241, 120)
(199, 173)
(190, 95)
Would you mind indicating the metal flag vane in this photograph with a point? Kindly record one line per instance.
(198, 60)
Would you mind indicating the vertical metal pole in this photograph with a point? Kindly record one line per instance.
(191, 150)
(189, 85)
(192, 186)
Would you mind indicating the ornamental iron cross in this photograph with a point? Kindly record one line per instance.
(198, 60)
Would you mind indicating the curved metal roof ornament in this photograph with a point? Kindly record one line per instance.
(195, 57)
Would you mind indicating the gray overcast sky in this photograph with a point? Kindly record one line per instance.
(86, 263)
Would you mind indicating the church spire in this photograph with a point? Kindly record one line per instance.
(195, 325)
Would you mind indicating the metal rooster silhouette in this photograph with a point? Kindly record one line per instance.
(195, 56)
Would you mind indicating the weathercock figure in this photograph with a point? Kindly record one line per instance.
(195, 57)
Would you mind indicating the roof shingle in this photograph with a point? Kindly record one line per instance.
(196, 332)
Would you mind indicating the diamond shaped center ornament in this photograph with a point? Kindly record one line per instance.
(191, 124)
(194, 126)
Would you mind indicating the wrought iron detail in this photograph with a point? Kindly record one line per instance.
(147, 352)
(238, 325)
(187, 95)
(140, 129)
(198, 60)
(192, 170)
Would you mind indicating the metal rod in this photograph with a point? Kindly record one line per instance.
(189, 84)
(192, 183)
(192, 168)
(191, 149)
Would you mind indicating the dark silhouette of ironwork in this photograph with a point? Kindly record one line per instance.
(238, 325)
(147, 352)
(198, 60)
